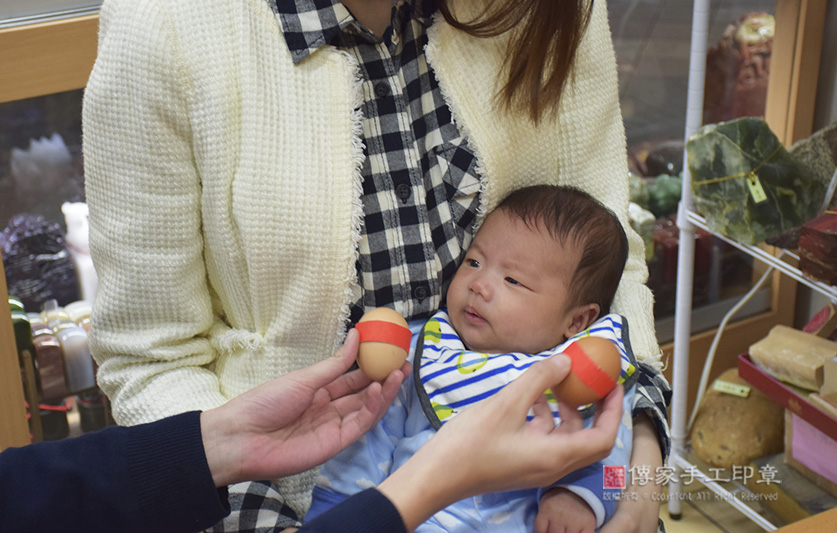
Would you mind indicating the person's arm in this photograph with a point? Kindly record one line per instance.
(150, 477)
(162, 476)
(586, 487)
(500, 450)
(490, 447)
(639, 509)
(364, 463)
(295, 422)
(153, 307)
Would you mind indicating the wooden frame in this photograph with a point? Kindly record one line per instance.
(47, 58)
(14, 431)
(41, 59)
(797, 48)
(791, 97)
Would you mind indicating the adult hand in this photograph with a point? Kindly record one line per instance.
(491, 447)
(638, 511)
(295, 422)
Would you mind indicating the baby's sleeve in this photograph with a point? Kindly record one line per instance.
(600, 484)
(368, 461)
(362, 465)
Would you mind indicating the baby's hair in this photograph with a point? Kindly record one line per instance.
(570, 213)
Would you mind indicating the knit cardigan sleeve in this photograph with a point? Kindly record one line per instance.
(153, 307)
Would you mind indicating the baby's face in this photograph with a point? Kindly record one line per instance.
(511, 292)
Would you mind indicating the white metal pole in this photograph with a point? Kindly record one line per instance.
(686, 254)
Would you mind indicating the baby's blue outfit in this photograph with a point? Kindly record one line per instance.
(446, 379)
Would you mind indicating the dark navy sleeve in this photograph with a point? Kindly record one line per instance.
(365, 512)
(151, 477)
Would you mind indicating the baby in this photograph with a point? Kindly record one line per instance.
(540, 272)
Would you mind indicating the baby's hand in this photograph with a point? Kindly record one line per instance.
(562, 510)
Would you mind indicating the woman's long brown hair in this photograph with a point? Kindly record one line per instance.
(541, 53)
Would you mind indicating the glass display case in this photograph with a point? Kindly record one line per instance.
(746, 70)
(651, 39)
(789, 112)
(48, 51)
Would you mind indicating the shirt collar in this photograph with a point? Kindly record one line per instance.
(309, 24)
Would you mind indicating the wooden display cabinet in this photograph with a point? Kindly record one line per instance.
(791, 96)
(37, 59)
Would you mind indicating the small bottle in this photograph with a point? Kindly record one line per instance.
(15, 304)
(35, 318)
(50, 360)
(92, 410)
(79, 313)
(54, 420)
(79, 372)
(78, 363)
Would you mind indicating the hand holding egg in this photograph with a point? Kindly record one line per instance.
(384, 342)
(596, 365)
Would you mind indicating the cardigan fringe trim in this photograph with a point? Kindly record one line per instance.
(352, 283)
(230, 340)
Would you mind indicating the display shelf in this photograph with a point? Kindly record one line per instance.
(52, 55)
(775, 261)
(789, 113)
(682, 458)
(729, 490)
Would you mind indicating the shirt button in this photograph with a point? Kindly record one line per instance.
(420, 293)
(381, 89)
(403, 191)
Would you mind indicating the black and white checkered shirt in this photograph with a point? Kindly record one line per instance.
(420, 185)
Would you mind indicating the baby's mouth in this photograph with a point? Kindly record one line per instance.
(473, 316)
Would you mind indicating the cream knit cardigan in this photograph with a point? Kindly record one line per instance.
(224, 183)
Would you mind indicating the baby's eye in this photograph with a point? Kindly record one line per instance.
(472, 263)
(512, 281)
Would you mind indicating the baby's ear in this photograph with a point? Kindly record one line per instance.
(582, 317)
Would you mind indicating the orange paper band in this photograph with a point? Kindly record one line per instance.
(383, 331)
(589, 372)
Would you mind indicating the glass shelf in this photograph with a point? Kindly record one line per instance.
(776, 262)
(730, 491)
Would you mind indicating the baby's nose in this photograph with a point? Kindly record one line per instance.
(481, 285)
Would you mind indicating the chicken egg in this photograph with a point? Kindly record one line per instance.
(384, 342)
(596, 365)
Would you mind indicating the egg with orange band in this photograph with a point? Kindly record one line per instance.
(596, 365)
(384, 342)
